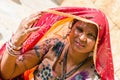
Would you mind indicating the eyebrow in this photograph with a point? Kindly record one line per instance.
(94, 32)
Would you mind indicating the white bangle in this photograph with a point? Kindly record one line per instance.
(11, 51)
(17, 48)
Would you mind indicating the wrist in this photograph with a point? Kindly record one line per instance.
(11, 51)
(15, 41)
(14, 46)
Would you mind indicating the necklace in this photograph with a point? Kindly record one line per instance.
(66, 75)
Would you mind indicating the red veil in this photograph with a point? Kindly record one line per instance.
(102, 54)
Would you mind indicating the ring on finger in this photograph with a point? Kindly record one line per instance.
(26, 26)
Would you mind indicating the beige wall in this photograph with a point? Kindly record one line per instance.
(112, 9)
(13, 11)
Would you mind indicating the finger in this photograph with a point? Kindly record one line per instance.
(37, 14)
(26, 26)
(30, 22)
(34, 29)
(28, 31)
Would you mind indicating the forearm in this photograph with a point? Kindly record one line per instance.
(8, 65)
(12, 66)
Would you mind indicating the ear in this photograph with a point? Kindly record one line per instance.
(66, 35)
(70, 25)
(68, 31)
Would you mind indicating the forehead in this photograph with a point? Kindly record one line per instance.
(85, 25)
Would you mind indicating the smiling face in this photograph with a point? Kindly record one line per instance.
(83, 37)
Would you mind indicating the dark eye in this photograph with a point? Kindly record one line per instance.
(92, 36)
(79, 29)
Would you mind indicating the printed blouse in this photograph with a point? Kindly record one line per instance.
(53, 54)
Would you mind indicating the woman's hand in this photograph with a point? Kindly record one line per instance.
(24, 29)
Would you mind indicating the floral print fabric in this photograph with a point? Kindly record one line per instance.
(45, 70)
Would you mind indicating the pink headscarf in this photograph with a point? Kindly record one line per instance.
(102, 57)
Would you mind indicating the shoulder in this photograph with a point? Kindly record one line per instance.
(51, 41)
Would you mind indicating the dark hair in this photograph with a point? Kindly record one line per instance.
(74, 21)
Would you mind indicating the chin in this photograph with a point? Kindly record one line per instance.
(79, 50)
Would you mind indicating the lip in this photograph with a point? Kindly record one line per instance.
(79, 44)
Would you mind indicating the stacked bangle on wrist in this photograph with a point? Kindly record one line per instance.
(17, 48)
(12, 49)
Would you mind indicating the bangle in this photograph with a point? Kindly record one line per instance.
(17, 48)
(12, 51)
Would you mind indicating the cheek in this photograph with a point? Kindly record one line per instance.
(91, 43)
(72, 34)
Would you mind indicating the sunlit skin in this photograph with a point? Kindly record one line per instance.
(83, 37)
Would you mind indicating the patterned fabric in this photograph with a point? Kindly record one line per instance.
(53, 21)
(45, 70)
(102, 52)
(45, 22)
(45, 73)
(81, 76)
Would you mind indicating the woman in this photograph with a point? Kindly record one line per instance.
(82, 53)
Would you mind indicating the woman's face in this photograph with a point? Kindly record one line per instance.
(83, 37)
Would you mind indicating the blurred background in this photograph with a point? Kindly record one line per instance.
(13, 11)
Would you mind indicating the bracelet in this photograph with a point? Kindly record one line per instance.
(17, 48)
(12, 51)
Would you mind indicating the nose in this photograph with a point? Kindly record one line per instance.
(83, 37)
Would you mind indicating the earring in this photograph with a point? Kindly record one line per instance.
(70, 25)
(67, 34)
(69, 30)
